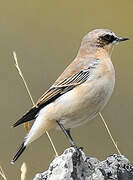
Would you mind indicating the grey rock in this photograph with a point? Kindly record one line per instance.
(74, 165)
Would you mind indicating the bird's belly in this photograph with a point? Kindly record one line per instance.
(83, 103)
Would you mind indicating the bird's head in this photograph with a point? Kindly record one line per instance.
(101, 38)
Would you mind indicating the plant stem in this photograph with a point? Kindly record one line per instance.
(28, 91)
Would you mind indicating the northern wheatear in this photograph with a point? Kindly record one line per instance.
(80, 92)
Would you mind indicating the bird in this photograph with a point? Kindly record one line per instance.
(80, 92)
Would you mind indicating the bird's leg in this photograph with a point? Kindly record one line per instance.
(67, 133)
(70, 139)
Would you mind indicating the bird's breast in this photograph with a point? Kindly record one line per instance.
(85, 101)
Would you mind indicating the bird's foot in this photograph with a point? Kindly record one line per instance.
(77, 150)
(77, 155)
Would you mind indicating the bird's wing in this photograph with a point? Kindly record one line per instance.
(69, 79)
(64, 83)
(62, 87)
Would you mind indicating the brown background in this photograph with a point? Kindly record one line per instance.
(46, 36)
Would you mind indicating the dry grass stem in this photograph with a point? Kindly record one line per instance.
(2, 173)
(23, 171)
(111, 137)
(26, 86)
(26, 125)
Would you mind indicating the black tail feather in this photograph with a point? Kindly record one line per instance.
(30, 115)
(19, 152)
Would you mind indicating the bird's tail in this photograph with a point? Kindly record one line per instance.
(19, 152)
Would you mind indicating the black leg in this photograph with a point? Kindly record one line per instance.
(67, 133)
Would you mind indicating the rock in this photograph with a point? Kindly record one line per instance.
(72, 165)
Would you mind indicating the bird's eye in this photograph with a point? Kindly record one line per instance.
(109, 38)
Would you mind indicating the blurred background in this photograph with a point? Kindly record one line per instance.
(46, 36)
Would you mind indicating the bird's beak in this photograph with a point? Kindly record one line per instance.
(122, 39)
(119, 39)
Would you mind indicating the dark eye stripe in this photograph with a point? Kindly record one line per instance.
(109, 38)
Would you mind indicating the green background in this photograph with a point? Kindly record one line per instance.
(46, 36)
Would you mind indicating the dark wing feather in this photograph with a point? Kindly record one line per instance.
(55, 92)
(51, 95)
(30, 115)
